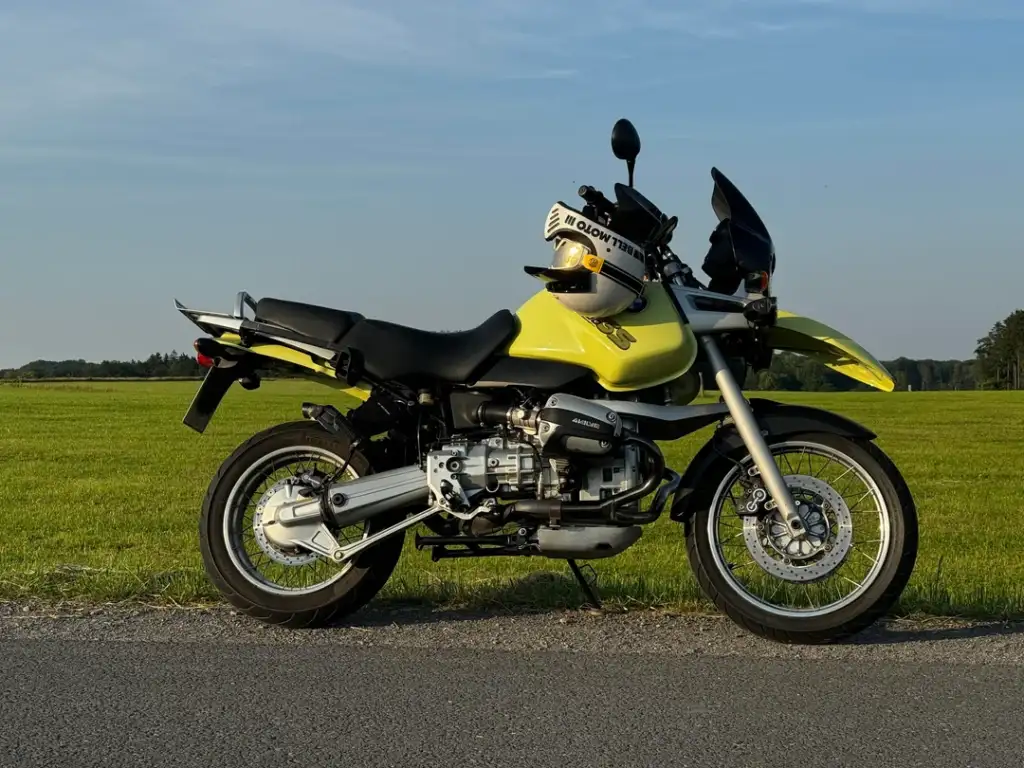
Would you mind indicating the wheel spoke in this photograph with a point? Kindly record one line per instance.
(805, 576)
(259, 560)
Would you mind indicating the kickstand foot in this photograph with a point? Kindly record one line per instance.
(588, 590)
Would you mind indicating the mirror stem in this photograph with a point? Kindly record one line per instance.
(629, 167)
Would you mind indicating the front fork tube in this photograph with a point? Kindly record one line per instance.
(746, 424)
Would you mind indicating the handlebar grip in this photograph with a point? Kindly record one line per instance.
(595, 198)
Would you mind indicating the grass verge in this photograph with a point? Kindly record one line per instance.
(102, 486)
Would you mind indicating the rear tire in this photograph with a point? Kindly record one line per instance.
(721, 586)
(363, 579)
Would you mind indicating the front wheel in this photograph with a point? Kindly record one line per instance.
(848, 569)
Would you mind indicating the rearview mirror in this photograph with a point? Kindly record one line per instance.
(625, 140)
(626, 144)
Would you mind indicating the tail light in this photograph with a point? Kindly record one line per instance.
(206, 352)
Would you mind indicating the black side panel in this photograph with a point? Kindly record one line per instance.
(372, 417)
(780, 420)
(541, 374)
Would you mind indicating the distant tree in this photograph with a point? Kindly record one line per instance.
(1000, 354)
(155, 366)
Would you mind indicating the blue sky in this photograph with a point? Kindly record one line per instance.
(398, 158)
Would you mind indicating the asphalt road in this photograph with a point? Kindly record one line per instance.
(213, 689)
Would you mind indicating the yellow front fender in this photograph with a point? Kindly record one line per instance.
(828, 346)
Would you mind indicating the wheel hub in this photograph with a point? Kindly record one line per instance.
(823, 547)
(264, 519)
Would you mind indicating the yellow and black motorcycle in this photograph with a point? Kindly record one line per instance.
(535, 434)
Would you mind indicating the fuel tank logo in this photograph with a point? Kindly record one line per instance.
(619, 336)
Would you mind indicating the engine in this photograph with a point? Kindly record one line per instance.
(568, 450)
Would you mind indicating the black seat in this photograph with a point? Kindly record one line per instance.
(320, 323)
(391, 351)
(396, 352)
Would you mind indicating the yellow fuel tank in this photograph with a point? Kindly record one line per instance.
(630, 351)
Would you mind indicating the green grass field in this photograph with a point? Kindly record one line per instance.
(101, 488)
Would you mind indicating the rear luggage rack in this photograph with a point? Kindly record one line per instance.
(243, 299)
(251, 330)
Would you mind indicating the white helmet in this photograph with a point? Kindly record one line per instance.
(595, 271)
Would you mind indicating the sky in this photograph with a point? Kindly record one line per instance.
(398, 157)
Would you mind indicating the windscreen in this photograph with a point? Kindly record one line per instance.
(751, 243)
(729, 203)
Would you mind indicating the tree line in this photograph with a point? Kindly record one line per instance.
(156, 366)
(998, 364)
(797, 373)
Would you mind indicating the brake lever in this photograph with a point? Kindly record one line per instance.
(663, 234)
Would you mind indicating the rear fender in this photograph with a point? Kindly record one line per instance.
(228, 366)
(777, 421)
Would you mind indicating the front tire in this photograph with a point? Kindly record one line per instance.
(233, 551)
(802, 577)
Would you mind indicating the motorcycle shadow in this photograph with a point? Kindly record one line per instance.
(896, 631)
(554, 594)
(535, 594)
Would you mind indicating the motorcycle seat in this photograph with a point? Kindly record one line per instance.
(395, 352)
(321, 323)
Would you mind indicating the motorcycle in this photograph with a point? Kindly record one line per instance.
(536, 434)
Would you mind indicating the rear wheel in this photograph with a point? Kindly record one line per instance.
(293, 588)
(850, 568)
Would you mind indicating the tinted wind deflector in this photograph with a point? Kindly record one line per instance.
(740, 245)
(729, 203)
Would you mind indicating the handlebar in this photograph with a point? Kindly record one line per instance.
(671, 267)
(597, 199)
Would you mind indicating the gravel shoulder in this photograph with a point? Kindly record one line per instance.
(644, 632)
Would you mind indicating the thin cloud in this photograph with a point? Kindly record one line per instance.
(142, 57)
(994, 10)
(544, 74)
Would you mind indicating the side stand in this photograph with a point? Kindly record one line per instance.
(584, 584)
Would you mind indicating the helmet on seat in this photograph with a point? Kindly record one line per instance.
(594, 271)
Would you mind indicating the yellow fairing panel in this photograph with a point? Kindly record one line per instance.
(631, 351)
(829, 347)
(296, 357)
